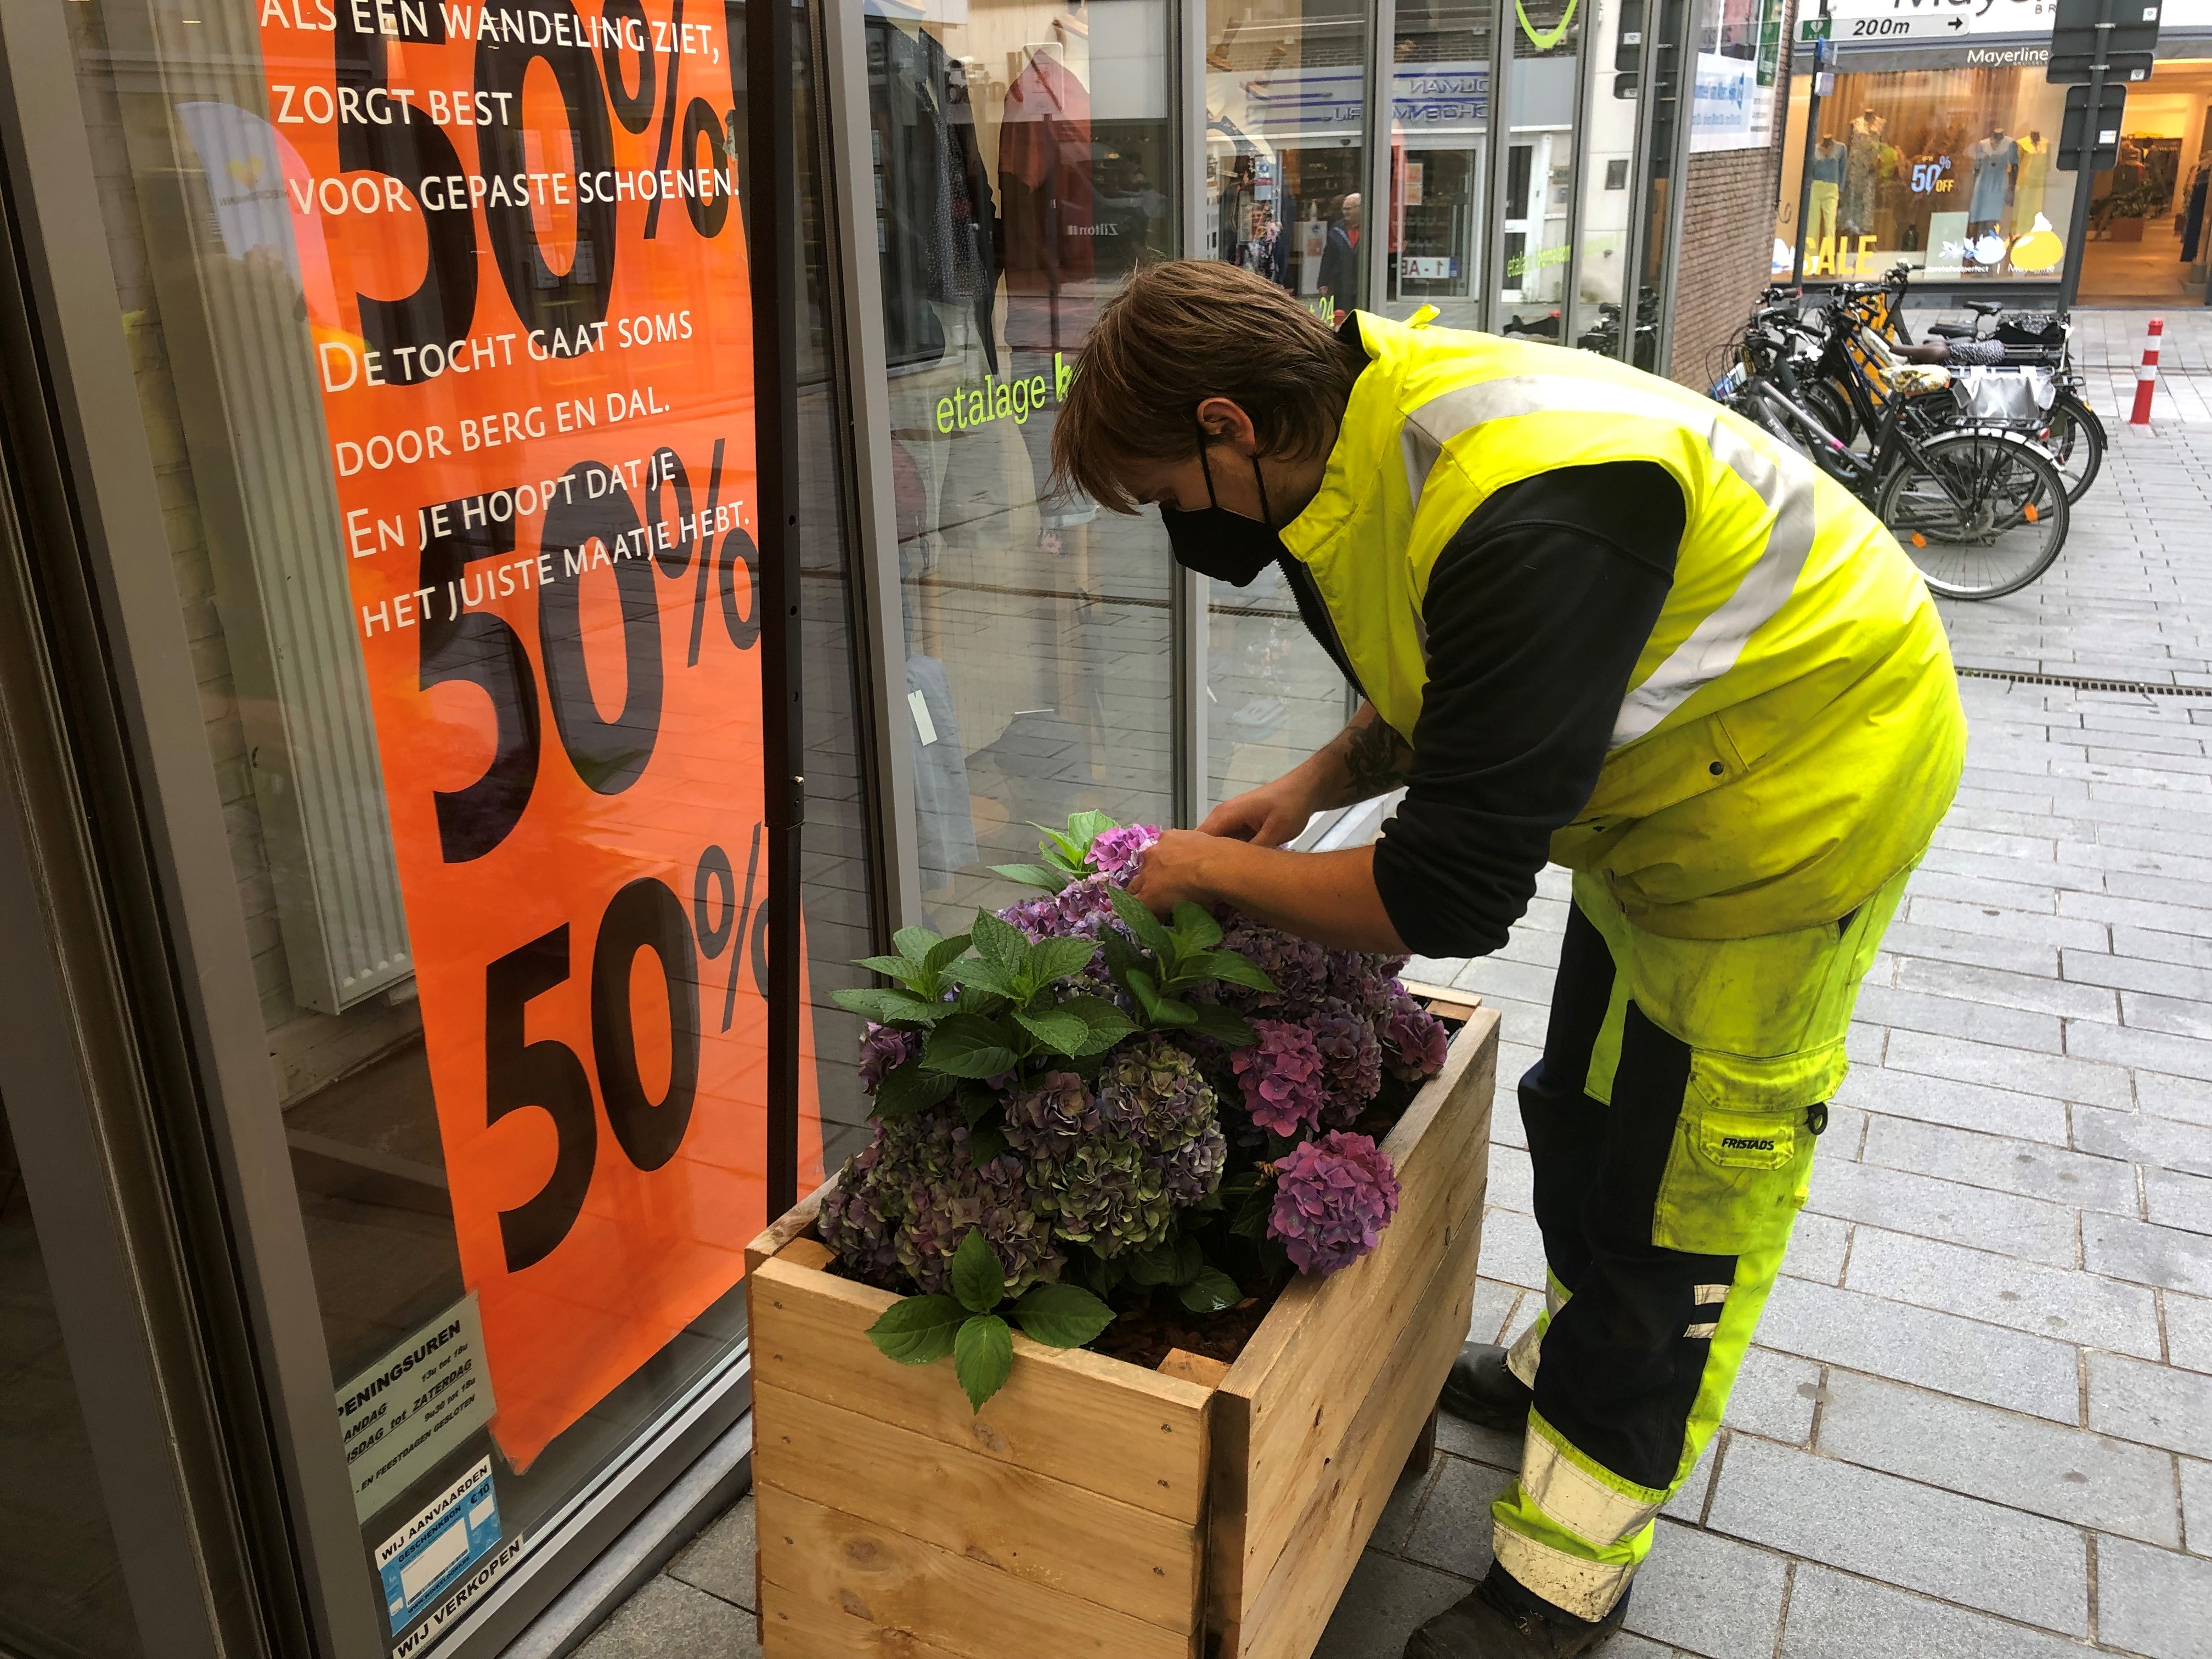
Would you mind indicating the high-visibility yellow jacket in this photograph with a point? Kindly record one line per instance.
(1792, 734)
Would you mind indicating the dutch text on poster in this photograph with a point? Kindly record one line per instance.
(454, 1530)
(517, 235)
(419, 1402)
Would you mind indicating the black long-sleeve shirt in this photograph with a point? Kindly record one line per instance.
(1536, 613)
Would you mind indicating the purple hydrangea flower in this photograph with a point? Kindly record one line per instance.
(1298, 967)
(1194, 1169)
(853, 1225)
(945, 1195)
(1077, 911)
(882, 1049)
(1048, 1118)
(1150, 1092)
(1281, 1076)
(1108, 1193)
(1363, 979)
(1351, 1059)
(1116, 852)
(1333, 1196)
(1413, 1039)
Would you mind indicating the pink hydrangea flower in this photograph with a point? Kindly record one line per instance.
(1114, 852)
(1413, 1039)
(1284, 1084)
(1334, 1197)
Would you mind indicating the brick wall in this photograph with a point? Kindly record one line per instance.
(1728, 241)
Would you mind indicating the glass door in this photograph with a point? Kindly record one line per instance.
(1439, 159)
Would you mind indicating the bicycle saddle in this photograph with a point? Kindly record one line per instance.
(1951, 330)
(1985, 307)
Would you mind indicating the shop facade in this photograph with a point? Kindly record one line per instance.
(1936, 145)
(527, 547)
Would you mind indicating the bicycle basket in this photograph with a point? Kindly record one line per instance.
(2031, 328)
(2004, 397)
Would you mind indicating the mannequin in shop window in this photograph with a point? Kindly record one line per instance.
(2033, 180)
(1861, 162)
(1828, 159)
(2192, 212)
(1993, 159)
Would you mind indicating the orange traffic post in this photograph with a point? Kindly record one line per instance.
(2147, 375)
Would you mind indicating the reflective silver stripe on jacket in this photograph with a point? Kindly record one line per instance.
(1785, 485)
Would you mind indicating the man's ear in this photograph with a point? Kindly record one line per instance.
(1223, 421)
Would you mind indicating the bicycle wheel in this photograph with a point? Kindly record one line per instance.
(1983, 513)
(1829, 401)
(2076, 442)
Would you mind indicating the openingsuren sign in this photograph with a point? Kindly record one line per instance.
(519, 229)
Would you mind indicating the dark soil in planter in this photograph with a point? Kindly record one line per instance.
(1143, 1336)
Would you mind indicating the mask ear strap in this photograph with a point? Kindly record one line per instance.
(1203, 466)
(1266, 512)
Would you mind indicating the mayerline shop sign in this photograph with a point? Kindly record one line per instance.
(1967, 31)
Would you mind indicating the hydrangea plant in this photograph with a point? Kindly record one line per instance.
(1079, 1103)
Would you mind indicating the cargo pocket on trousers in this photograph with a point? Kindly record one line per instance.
(1736, 1176)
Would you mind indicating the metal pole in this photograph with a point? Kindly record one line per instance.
(2085, 178)
(1805, 163)
(1188, 593)
(773, 230)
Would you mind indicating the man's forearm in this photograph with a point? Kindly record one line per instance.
(1327, 897)
(1365, 760)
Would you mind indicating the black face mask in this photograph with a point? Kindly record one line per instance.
(1216, 543)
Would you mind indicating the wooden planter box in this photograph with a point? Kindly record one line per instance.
(2125, 230)
(1095, 1508)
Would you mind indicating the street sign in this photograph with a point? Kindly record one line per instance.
(2110, 114)
(2127, 46)
(1814, 29)
(1894, 26)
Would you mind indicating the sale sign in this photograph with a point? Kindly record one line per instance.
(518, 228)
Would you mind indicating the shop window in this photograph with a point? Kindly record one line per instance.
(443, 360)
(1439, 158)
(1948, 170)
(1023, 159)
(1609, 127)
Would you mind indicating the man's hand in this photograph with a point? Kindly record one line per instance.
(1269, 815)
(1173, 869)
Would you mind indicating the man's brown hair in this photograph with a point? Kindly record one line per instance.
(1181, 333)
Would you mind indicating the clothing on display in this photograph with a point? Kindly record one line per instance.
(936, 225)
(1045, 185)
(2034, 179)
(1862, 159)
(1266, 250)
(1992, 159)
(1827, 185)
(2192, 220)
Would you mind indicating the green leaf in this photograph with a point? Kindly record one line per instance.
(1061, 1032)
(916, 943)
(973, 1000)
(1058, 958)
(1217, 1023)
(1210, 1292)
(1104, 1276)
(918, 1330)
(1034, 875)
(1189, 1259)
(1062, 1315)
(1147, 994)
(981, 975)
(1156, 1266)
(1196, 929)
(906, 1089)
(943, 954)
(897, 968)
(969, 1045)
(1139, 920)
(1252, 1212)
(1104, 1024)
(976, 1103)
(887, 1007)
(1084, 828)
(1227, 965)
(977, 1279)
(1001, 944)
(983, 1357)
(985, 1142)
(1170, 1010)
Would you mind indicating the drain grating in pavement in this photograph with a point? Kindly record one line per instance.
(2141, 688)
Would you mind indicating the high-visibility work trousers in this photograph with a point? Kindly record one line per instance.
(1671, 1124)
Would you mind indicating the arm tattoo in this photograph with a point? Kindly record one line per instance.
(1376, 760)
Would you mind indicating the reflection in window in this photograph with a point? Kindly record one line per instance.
(1285, 104)
(1023, 165)
(1948, 171)
(1439, 126)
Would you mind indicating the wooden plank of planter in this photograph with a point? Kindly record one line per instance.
(793, 1627)
(890, 1578)
(1284, 1410)
(1021, 1522)
(795, 1223)
(1096, 1423)
(1286, 1618)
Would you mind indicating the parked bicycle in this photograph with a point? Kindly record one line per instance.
(1980, 506)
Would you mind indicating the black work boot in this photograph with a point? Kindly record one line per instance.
(1503, 1621)
(1481, 1389)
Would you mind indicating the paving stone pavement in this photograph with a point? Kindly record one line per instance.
(1977, 1421)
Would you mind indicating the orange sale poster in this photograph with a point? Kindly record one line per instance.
(520, 228)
